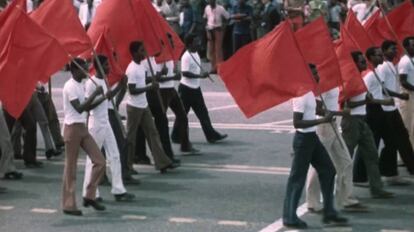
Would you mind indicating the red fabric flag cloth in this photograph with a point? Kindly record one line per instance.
(267, 72)
(315, 42)
(377, 33)
(59, 18)
(357, 33)
(352, 83)
(125, 25)
(401, 19)
(28, 55)
(172, 46)
(105, 47)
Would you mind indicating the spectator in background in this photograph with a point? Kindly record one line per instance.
(158, 5)
(295, 12)
(241, 15)
(87, 11)
(256, 18)
(318, 8)
(187, 19)
(270, 17)
(335, 10)
(215, 14)
(171, 13)
(199, 29)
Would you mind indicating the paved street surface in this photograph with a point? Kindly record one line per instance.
(236, 185)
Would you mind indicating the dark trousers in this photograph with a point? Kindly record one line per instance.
(193, 99)
(120, 141)
(29, 125)
(308, 150)
(52, 117)
(239, 40)
(171, 99)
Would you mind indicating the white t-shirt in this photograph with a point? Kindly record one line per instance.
(389, 73)
(215, 16)
(363, 12)
(405, 66)
(85, 15)
(170, 66)
(331, 99)
(305, 104)
(189, 65)
(73, 90)
(98, 114)
(360, 110)
(136, 75)
(372, 84)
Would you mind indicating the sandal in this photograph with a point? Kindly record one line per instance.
(13, 175)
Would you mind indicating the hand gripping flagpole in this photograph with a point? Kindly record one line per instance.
(199, 65)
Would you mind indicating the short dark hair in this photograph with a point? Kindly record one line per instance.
(370, 52)
(355, 55)
(134, 46)
(406, 41)
(76, 62)
(387, 44)
(101, 58)
(188, 40)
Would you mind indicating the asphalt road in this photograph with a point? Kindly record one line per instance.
(235, 185)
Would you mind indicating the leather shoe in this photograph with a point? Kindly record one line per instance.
(382, 194)
(124, 197)
(171, 166)
(218, 138)
(73, 212)
(334, 220)
(89, 202)
(14, 175)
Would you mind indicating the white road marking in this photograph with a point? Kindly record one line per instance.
(6, 207)
(232, 223)
(238, 171)
(134, 217)
(278, 224)
(338, 229)
(182, 220)
(42, 210)
(238, 167)
(395, 230)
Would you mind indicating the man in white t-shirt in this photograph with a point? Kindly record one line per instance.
(334, 144)
(356, 132)
(170, 98)
(396, 128)
(87, 11)
(101, 131)
(190, 91)
(308, 150)
(76, 136)
(406, 73)
(215, 15)
(364, 10)
(138, 112)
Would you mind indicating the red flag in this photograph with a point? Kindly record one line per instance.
(377, 33)
(28, 55)
(59, 18)
(172, 46)
(401, 19)
(352, 83)
(357, 32)
(125, 25)
(315, 42)
(105, 47)
(267, 72)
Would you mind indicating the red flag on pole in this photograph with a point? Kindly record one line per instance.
(401, 19)
(172, 46)
(352, 83)
(105, 47)
(267, 72)
(378, 34)
(59, 18)
(357, 32)
(125, 25)
(314, 40)
(28, 55)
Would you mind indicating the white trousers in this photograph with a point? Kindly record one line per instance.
(104, 137)
(343, 164)
(407, 111)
